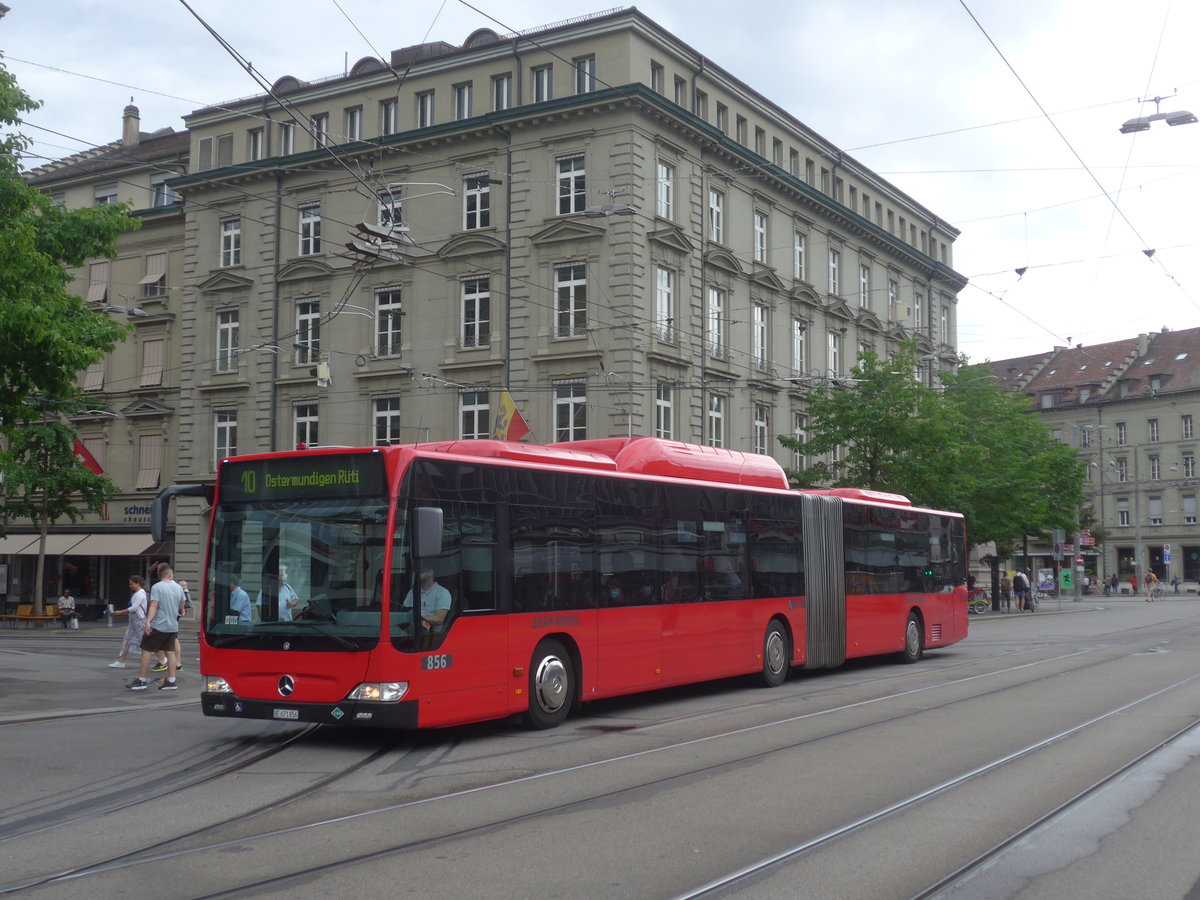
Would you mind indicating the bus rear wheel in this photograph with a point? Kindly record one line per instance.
(551, 685)
(914, 639)
(777, 655)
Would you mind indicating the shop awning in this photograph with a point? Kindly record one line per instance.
(14, 543)
(56, 545)
(114, 545)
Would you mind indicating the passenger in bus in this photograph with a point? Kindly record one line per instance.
(435, 603)
(613, 593)
(239, 600)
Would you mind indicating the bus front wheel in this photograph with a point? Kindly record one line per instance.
(914, 639)
(551, 685)
(777, 655)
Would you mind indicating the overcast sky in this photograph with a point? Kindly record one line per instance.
(1001, 116)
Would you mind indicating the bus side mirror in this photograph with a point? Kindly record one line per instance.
(427, 538)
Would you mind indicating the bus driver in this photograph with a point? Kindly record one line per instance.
(435, 602)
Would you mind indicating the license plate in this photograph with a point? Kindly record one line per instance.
(287, 714)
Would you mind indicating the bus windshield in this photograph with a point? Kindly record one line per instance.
(306, 571)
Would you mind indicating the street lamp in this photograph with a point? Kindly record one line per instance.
(1142, 123)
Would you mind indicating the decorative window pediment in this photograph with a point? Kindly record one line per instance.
(838, 307)
(868, 319)
(672, 237)
(147, 407)
(807, 297)
(567, 231)
(304, 268)
(722, 259)
(225, 281)
(470, 245)
(767, 278)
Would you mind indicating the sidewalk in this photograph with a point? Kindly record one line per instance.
(52, 672)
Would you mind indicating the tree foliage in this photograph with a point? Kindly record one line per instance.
(44, 481)
(967, 446)
(49, 335)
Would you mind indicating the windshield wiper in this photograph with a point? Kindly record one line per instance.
(317, 627)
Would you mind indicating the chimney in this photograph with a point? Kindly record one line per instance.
(130, 124)
(1143, 344)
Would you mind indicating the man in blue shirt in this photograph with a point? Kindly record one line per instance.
(162, 630)
(435, 602)
(239, 600)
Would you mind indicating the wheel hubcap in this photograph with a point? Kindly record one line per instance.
(775, 652)
(550, 684)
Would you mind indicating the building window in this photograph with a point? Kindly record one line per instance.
(664, 412)
(700, 104)
(224, 434)
(945, 325)
(389, 117)
(150, 460)
(310, 229)
(1122, 469)
(716, 420)
(319, 125)
(1122, 434)
(666, 190)
(760, 237)
(1155, 467)
(658, 78)
(762, 419)
(864, 286)
(387, 420)
(800, 435)
(681, 92)
(799, 329)
(893, 298)
(307, 339)
(353, 124)
(228, 331)
(287, 138)
(918, 310)
(254, 144)
(462, 101)
(388, 315)
(1085, 438)
(570, 285)
(154, 282)
(716, 216)
(722, 118)
(760, 141)
(304, 425)
(1156, 515)
(543, 84)
(740, 127)
(585, 74)
(758, 336)
(476, 312)
(572, 185)
(715, 321)
(391, 208)
(425, 109)
(1122, 512)
(1189, 465)
(160, 193)
(93, 378)
(97, 282)
(1189, 509)
(153, 357)
(1185, 428)
(502, 96)
(834, 354)
(835, 262)
(105, 194)
(664, 303)
(798, 266)
(1152, 430)
(231, 242)
(570, 412)
(477, 202)
(475, 415)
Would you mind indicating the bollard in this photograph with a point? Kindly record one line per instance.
(108, 614)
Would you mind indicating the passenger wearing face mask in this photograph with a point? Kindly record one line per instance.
(613, 595)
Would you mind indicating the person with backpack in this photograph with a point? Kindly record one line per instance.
(1021, 589)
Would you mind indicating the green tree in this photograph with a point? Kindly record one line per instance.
(44, 481)
(49, 334)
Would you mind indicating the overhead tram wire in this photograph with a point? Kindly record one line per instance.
(1147, 249)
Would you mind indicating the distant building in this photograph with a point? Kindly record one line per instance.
(1131, 408)
(597, 217)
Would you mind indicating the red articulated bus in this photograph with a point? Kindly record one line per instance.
(443, 583)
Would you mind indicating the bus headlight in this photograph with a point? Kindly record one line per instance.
(381, 691)
(215, 685)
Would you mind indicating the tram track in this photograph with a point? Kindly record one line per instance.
(1031, 671)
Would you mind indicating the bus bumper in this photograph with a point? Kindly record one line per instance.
(402, 714)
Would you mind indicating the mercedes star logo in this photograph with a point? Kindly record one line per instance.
(287, 686)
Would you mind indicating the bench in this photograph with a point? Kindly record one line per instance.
(25, 614)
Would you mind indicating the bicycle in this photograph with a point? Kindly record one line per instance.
(979, 601)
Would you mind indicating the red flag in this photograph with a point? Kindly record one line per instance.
(85, 456)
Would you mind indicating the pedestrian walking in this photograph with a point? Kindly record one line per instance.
(137, 620)
(1175, 583)
(1021, 589)
(162, 630)
(1116, 584)
(1151, 587)
(1133, 583)
(1005, 593)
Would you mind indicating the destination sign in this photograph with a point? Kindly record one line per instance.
(303, 477)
